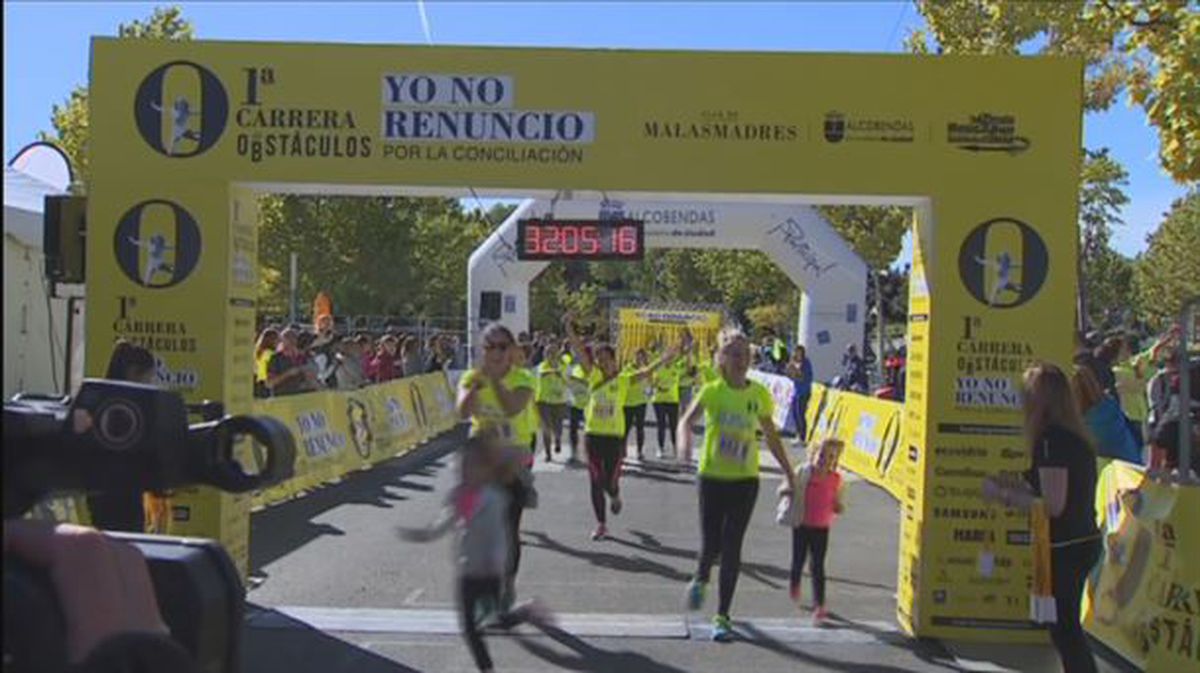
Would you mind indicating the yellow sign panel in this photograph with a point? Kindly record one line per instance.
(185, 134)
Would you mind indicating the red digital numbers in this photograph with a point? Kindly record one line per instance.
(567, 240)
(626, 239)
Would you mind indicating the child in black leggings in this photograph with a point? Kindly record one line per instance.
(810, 511)
(479, 507)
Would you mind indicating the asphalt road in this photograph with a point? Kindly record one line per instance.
(338, 590)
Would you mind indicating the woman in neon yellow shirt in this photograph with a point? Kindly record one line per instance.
(604, 421)
(551, 397)
(635, 404)
(735, 409)
(666, 404)
(494, 396)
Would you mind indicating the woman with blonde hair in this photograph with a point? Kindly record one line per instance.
(1063, 477)
(735, 408)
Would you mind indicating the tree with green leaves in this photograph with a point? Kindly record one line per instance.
(70, 120)
(1149, 48)
(876, 233)
(1104, 274)
(1168, 273)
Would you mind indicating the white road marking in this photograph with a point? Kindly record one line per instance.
(585, 625)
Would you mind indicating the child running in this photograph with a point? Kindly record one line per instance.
(809, 510)
(478, 507)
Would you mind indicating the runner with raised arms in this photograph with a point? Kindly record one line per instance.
(604, 420)
(735, 409)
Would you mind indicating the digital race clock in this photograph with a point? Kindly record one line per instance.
(548, 240)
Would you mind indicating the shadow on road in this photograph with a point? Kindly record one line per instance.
(606, 559)
(751, 635)
(587, 657)
(281, 529)
(295, 647)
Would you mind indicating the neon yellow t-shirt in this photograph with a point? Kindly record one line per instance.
(731, 421)
(666, 383)
(605, 412)
(639, 391)
(708, 373)
(525, 424)
(551, 383)
(577, 385)
(262, 365)
(489, 414)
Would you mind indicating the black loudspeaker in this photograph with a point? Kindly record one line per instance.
(489, 305)
(64, 235)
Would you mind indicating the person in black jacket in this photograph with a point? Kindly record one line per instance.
(1064, 477)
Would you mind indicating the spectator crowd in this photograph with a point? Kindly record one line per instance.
(297, 359)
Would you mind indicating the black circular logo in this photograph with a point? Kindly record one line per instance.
(193, 121)
(157, 256)
(360, 427)
(1003, 263)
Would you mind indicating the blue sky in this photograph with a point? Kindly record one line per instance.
(46, 51)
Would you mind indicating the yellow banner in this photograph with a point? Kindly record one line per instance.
(1143, 599)
(985, 150)
(645, 327)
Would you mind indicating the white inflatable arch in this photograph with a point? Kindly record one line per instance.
(831, 276)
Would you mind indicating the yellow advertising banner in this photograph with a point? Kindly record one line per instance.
(645, 327)
(984, 149)
(1143, 599)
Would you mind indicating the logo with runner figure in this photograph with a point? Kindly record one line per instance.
(181, 109)
(1003, 262)
(360, 427)
(157, 243)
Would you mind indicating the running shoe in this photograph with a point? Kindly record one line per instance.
(820, 616)
(600, 533)
(615, 504)
(722, 629)
(694, 596)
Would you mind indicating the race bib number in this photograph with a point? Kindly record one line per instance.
(733, 448)
(604, 409)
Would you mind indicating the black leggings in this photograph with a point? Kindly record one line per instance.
(552, 416)
(666, 417)
(576, 423)
(604, 468)
(816, 540)
(725, 509)
(635, 417)
(1069, 568)
(471, 591)
(516, 507)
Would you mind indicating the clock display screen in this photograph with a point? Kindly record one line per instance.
(548, 240)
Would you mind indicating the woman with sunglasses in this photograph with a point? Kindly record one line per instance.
(604, 419)
(494, 397)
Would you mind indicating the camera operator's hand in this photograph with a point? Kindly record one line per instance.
(103, 586)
